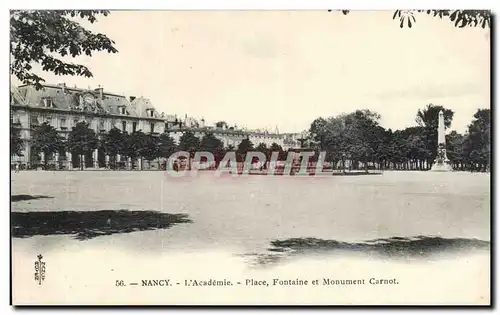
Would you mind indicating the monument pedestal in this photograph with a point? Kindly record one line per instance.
(441, 166)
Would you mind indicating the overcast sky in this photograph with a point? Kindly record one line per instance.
(266, 68)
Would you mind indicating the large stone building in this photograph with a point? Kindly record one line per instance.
(231, 137)
(63, 107)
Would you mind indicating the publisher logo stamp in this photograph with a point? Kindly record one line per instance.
(39, 270)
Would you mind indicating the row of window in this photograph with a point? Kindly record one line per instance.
(63, 126)
(49, 103)
(134, 126)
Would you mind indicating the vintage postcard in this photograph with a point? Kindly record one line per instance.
(325, 157)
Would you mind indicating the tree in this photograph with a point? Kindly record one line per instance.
(166, 145)
(397, 149)
(112, 143)
(262, 147)
(429, 116)
(382, 139)
(460, 18)
(361, 136)
(150, 148)
(318, 131)
(16, 143)
(358, 137)
(44, 36)
(429, 119)
(335, 140)
(82, 141)
(282, 154)
(455, 149)
(416, 146)
(135, 144)
(477, 144)
(243, 148)
(46, 140)
(210, 143)
(189, 142)
(150, 151)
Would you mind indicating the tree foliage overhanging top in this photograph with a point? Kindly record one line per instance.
(460, 18)
(44, 37)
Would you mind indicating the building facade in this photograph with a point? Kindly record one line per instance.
(63, 107)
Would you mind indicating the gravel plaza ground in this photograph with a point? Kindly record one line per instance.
(149, 217)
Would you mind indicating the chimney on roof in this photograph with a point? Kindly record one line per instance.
(100, 89)
(62, 86)
(132, 98)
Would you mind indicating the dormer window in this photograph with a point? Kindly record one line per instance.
(122, 110)
(151, 112)
(47, 102)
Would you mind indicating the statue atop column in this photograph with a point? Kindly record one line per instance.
(441, 164)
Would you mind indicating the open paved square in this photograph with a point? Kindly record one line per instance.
(94, 228)
(249, 212)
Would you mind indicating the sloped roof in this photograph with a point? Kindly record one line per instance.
(141, 106)
(68, 98)
(16, 96)
(34, 98)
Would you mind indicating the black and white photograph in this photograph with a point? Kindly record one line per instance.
(250, 157)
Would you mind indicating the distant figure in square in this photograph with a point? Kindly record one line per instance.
(17, 167)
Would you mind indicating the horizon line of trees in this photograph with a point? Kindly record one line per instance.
(354, 140)
(357, 137)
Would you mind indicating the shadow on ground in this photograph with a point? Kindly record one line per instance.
(409, 248)
(90, 224)
(16, 198)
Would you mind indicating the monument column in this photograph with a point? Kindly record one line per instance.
(441, 164)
